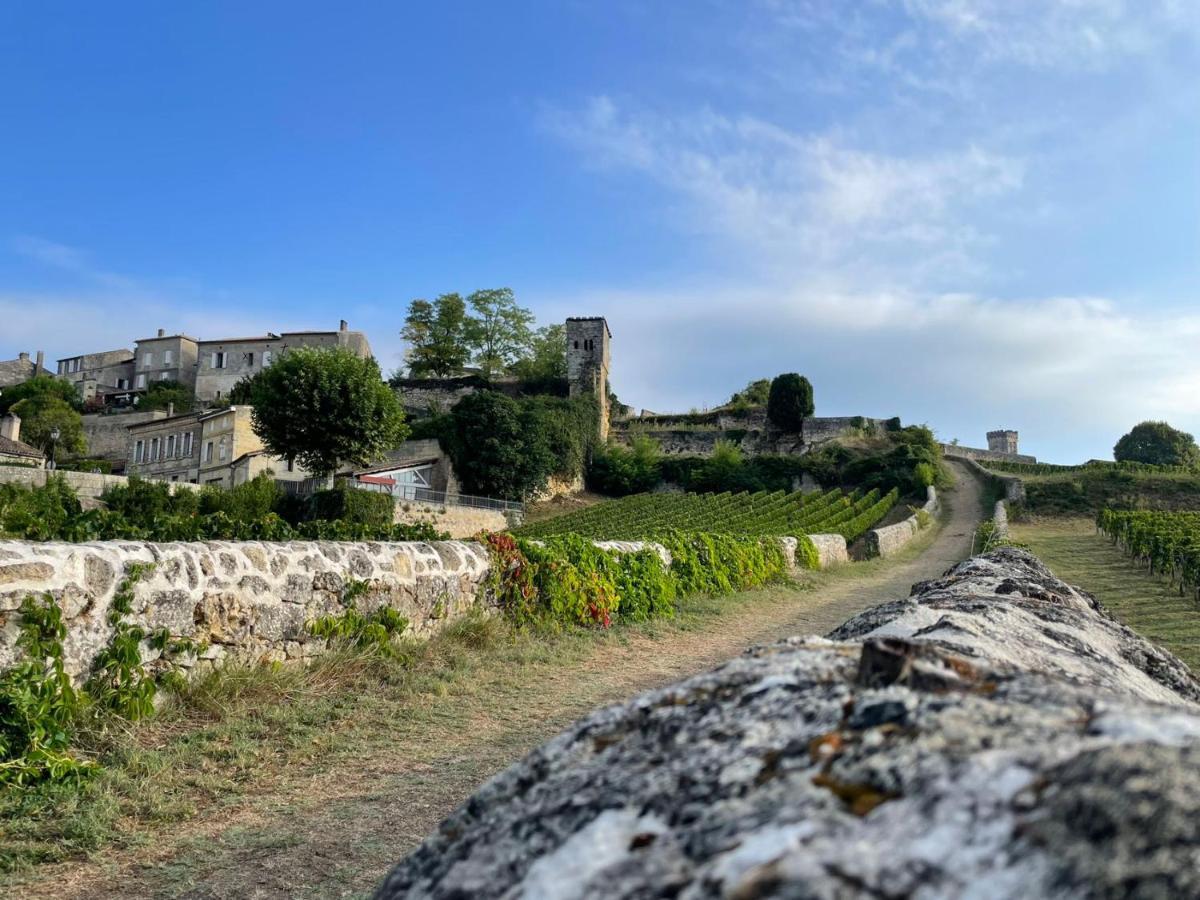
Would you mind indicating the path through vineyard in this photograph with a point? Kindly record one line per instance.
(333, 831)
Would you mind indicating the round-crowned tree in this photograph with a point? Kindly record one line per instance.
(790, 402)
(1157, 444)
(325, 407)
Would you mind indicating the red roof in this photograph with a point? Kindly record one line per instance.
(377, 479)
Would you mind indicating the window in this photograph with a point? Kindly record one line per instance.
(147, 360)
(141, 380)
(221, 450)
(153, 449)
(122, 384)
(187, 443)
(266, 358)
(249, 359)
(164, 376)
(208, 452)
(60, 367)
(139, 450)
(218, 360)
(168, 357)
(577, 345)
(170, 446)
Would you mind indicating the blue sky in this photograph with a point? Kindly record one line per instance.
(972, 213)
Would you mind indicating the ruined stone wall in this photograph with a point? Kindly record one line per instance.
(457, 521)
(957, 451)
(246, 600)
(108, 435)
(751, 435)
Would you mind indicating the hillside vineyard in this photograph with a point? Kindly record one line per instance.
(643, 516)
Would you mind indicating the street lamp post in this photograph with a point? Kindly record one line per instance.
(55, 434)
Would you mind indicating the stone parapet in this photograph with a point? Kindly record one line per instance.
(892, 538)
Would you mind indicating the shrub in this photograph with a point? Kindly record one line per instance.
(618, 471)
(352, 505)
(1157, 443)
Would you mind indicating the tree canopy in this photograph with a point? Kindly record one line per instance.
(756, 393)
(546, 361)
(436, 333)
(500, 331)
(790, 402)
(41, 414)
(325, 407)
(1157, 444)
(161, 394)
(39, 386)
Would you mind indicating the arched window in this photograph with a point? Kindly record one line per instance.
(577, 345)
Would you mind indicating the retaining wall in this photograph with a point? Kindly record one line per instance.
(957, 451)
(457, 521)
(1013, 487)
(891, 538)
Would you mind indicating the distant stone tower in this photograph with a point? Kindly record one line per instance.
(588, 340)
(1003, 441)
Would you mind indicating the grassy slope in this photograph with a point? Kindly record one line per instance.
(1077, 554)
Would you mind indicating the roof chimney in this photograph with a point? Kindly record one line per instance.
(170, 409)
(10, 427)
(162, 332)
(41, 363)
(344, 326)
(23, 356)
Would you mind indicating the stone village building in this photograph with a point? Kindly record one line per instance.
(14, 451)
(217, 447)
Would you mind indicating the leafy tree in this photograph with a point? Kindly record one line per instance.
(437, 336)
(161, 394)
(498, 446)
(39, 386)
(618, 470)
(499, 332)
(323, 407)
(40, 415)
(546, 362)
(1157, 444)
(790, 402)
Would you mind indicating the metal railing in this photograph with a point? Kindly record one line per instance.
(403, 493)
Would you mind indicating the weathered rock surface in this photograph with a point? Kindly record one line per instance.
(996, 734)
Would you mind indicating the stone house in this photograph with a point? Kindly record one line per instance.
(14, 451)
(165, 357)
(19, 370)
(98, 374)
(165, 449)
(222, 363)
(231, 453)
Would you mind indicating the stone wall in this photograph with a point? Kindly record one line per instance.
(957, 451)
(429, 396)
(246, 600)
(676, 436)
(457, 521)
(87, 485)
(1013, 487)
(995, 734)
(892, 538)
(108, 435)
(831, 549)
(1000, 520)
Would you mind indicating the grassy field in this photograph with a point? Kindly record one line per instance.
(1078, 554)
(1086, 492)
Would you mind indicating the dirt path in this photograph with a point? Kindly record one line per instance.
(333, 832)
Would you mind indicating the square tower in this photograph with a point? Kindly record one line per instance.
(1003, 441)
(588, 340)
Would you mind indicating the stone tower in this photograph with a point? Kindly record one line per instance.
(1002, 441)
(588, 340)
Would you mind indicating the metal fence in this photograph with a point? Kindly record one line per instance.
(408, 493)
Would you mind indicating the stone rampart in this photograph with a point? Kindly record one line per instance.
(995, 734)
(678, 436)
(246, 600)
(1013, 487)
(89, 485)
(892, 538)
(957, 451)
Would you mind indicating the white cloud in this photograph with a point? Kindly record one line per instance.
(786, 193)
(69, 259)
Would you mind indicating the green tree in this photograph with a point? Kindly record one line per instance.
(790, 402)
(499, 446)
(1157, 444)
(325, 407)
(499, 331)
(39, 386)
(546, 362)
(437, 336)
(161, 394)
(40, 415)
